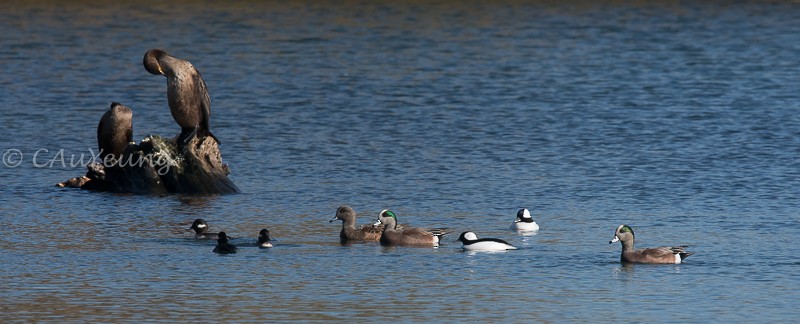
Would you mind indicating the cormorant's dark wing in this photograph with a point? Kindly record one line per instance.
(205, 105)
(100, 130)
(129, 134)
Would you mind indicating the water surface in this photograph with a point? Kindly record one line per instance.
(677, 119)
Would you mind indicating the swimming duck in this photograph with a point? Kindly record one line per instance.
(263, 239)
(349, 232)
(524, 221)
(187, 94)
(393, 235)
(471, 242)
(200, 228)
(223, 247)
(663, 254)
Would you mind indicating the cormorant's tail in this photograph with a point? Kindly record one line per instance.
(214, 137)
(187, 134)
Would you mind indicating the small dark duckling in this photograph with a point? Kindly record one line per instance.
(223, 247)
(263, 239)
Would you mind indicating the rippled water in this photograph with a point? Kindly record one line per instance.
(678, 119)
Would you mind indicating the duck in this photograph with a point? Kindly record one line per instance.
(663, 254)
(349, 232)
(406, 236)
(187, 93)
(524, 221)
(471, 242)
(263, 239)
(223, 247)
(200, 228)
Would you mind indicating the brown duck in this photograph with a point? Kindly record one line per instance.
(663, 254)
(349, 233)
(394, 235)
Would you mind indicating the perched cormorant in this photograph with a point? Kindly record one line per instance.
(186, 93)
(114, 132)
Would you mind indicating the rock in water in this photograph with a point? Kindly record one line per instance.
(156, 166)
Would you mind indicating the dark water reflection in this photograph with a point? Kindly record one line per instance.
(676, 118)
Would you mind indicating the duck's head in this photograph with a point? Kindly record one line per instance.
(344, 213)
(623, 233)
(263, 235)
(524, 216)
(466, 237)
(387, 218)
(222, 238)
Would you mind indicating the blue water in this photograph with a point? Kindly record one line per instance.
(677, 119)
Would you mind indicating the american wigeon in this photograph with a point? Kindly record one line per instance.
(223, 247)
(200, 228)
(663, 254)
(524, 221)
(349, 232)
(394, 235)
(263, 239)
(471, 242)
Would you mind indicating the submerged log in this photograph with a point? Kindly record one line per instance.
(157, 165)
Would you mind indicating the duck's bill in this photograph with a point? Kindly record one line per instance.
(377, 223)
(332, 219)
(615, 239)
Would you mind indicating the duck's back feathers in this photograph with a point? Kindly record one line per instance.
(409, 236)
(662, 254)
(365, 233)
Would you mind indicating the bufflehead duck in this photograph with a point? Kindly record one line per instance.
(263, 239)
(524, 221)
(200, 228)
(473, 243)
